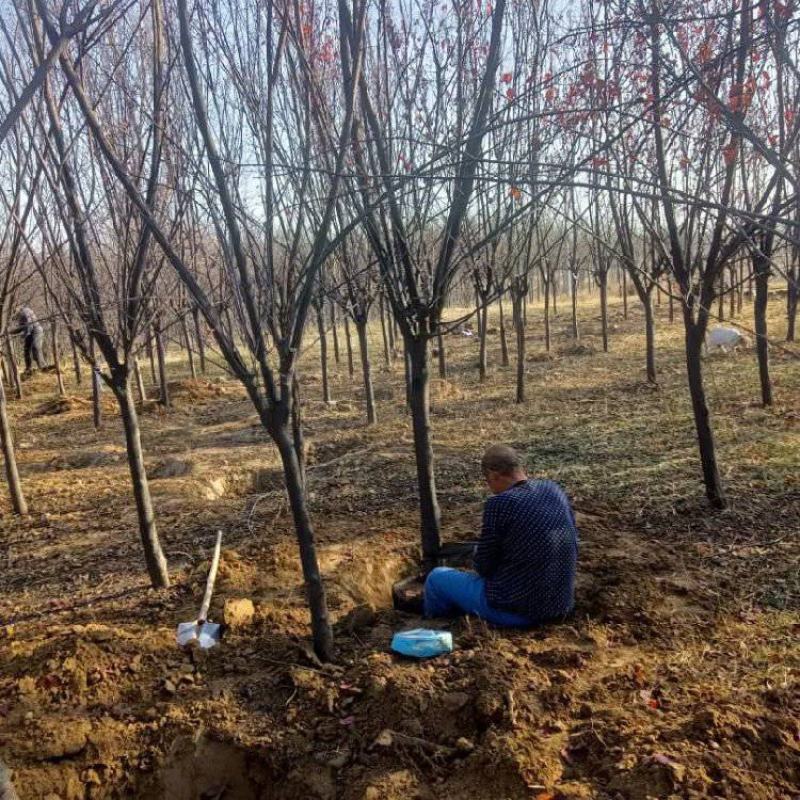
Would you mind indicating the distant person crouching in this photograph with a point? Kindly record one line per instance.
(31, 331)
(526, 556)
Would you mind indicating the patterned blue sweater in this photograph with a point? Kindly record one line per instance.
(528, 551)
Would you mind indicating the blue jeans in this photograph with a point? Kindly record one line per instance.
(450, 592)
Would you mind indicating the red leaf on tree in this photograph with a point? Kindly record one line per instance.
(510, 93)
(550, 93)
(515, 192)
(704, 53)
(506, 77)
(729, 153)
(326, 53)
(788, 115)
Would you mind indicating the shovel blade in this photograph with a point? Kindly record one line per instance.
(205, 634)
(208, 635)
(187, 633)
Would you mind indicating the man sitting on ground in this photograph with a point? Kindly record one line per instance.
(525, 558)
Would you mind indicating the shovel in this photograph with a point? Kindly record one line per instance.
(206, 634)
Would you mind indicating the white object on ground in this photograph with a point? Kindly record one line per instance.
(422, 643)
(205, 633)
(723, 338)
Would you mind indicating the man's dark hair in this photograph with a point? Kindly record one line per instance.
(502, 459)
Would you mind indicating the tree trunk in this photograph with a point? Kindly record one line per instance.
(517, 300)
(76, 362)
(407, 365)
(792, 298)
(483, 324)
(574, 296)
(18, 503)
(740, 287)
(705, 435)
(298, 437)
(503, 339)
(394, 334)
(139, 382)
(732, 292)
(761, 270)
(387, 353)
(57, 357)
(187, 338)
(335, 333)
(442, 355)
(349, 343)
(198, 332)
(721, 300)
(478, 317)
(547, 336)
(315, 589)
(650, 337)
(624, 302)
(369, 393)
(604, 307)
(430, 516)
(97, 389)
(553, 281)
(164, 398)
(229, 323)
(671, 302)
(151, 358)
(14, 367)
(323, 355)
(153, 555)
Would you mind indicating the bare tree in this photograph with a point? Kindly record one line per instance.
(399, 212)
(97, 265)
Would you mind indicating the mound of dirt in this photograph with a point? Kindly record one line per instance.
(171, 468)
(197, 389)
(82, 459)
(443, 390)
(60, 405)
(381, 393)
(578, 349)
(540, 356)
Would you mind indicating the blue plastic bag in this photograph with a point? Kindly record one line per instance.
(422, 643)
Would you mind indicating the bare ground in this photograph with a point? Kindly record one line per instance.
(677, 676)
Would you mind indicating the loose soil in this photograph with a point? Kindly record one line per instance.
(676, 677)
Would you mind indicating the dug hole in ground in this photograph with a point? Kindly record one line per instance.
(677, 677)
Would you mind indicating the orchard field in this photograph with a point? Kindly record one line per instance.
(676, 677)
(279, 271)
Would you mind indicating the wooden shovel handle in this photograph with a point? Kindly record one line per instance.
(212, 577)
